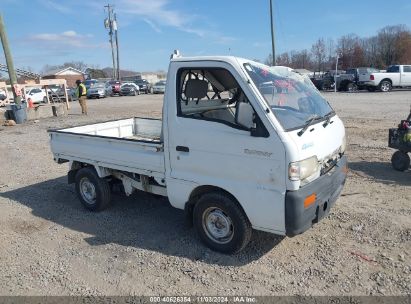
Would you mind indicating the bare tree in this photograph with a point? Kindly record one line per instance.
(269, 60)
(318, 51)
(283, 59)
(391, 45)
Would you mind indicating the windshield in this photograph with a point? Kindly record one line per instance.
(293, 98)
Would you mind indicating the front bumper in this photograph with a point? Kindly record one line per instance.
(96, 94)
(128, 93)
(327, 188)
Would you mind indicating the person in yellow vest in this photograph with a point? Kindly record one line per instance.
(81, 94)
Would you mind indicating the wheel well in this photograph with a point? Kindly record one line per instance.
(75, 166)
(197, 193)
(344, 84)
(386, 79)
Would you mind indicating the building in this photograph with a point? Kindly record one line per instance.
(70, 74)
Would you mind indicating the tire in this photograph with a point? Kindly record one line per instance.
(93, 192)
(371, 89)
(385, 86)
(400, 161)
(352, 87)
(236, 228)
(45, 99)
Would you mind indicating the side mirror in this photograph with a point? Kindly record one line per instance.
(245, 115)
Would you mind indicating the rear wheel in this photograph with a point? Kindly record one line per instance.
(352, 87)
(93, 191)
(45, 99)
(221, 223)
(385, 86)
(400, 161)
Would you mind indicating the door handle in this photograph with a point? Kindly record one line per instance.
(182, 149)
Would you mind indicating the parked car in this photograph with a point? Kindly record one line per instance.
(396, 76)
(129, 88)
(360, 76)
(98, 90)
(72, 94)
(270, 162)
(56, 94)
(3, 95)
(90, 83)
(159, 87)
(36, 94)
(113, 87)
(144, 85)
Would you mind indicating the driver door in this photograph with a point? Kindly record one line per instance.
(207, 145)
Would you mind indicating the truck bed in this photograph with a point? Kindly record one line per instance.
(132, 145)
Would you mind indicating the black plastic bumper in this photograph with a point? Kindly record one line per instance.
(327, 189)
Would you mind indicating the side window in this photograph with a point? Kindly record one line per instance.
(213, 94)
(393, 69)
(407, 68)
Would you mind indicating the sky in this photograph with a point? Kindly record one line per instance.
(55, 31)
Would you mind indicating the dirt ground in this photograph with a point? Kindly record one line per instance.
(49, 245)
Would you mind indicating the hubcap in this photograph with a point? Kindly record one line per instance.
(385, 86)
(218, 225)
(88, 191)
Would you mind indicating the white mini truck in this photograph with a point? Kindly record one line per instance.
(241, 146)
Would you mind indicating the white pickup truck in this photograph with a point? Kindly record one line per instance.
(396, 76)
(241, 146)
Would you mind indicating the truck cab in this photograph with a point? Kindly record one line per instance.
(241, 146)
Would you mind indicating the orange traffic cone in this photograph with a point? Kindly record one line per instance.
(31, 103)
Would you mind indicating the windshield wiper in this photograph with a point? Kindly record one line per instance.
(308, 123)
(328, 118)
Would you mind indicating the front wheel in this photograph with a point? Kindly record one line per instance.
(385, 86)
(400, 161)
(93, 191)
(221, 223)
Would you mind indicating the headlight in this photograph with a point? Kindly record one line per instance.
(344, 144)
(302, 169)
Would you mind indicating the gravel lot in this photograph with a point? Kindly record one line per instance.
(49, 245)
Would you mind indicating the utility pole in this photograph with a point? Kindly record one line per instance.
(108, 24)
(272, 31)
(118, 56)
(9, 61)
(336, 71)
